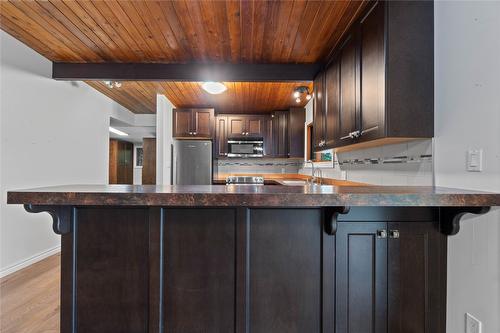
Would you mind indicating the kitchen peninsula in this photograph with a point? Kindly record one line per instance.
(229, 258)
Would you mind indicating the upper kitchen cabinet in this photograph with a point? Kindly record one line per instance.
(280, 133)
(221, 148)
(296, 132)
(378, 85)
(188, 123)
(246, 125)
(319, 112)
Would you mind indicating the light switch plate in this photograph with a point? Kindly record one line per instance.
(472, 324)
(475, 160)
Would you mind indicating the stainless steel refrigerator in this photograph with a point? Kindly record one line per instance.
(192, 162)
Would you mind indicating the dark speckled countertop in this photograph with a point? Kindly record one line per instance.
(251, 196)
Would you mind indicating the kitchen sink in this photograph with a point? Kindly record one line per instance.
(294, 182)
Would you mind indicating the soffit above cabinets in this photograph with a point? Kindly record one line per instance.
(180, 31)
(240, 97)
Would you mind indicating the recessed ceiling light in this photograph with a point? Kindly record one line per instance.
(308, 96)
(296, 94)
(297, 100)
(214, 88)
(114, 130)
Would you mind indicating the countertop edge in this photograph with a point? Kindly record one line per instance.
(300, 200)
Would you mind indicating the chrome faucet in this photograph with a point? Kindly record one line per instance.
(313, 173)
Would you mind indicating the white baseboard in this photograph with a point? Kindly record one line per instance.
(29, 261)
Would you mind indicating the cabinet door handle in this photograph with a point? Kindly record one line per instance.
(394, 234)
(382, 233)
(347, 136)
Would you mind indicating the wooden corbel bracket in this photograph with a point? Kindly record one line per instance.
(331, 216)
(61, 216)
(450, 217)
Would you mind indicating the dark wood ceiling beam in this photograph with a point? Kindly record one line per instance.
(184, 72)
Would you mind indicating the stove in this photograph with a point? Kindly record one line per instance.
(245, 180)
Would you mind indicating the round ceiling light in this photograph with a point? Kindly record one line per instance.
(214, 88)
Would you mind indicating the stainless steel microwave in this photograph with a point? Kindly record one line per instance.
(245, 147)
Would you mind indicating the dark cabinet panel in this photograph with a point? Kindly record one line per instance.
(319, 112)
(296, 130)
(280, 139)
(348, 89)
(361, 280)
(417, 275)
(199, 273)
(182, 122)
(193, 123)
(246, 125)
(332, 103)
(236, 126)
(255, 126)
(269, 148)
(203, 122)
(112, 270)
(285, 270)
(221, 136)
(149, 161)
(372, 64)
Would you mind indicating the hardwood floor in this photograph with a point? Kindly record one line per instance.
(29, 298)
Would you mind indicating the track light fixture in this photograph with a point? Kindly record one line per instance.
(299, 91)
(113, 84)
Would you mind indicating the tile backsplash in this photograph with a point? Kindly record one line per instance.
(258, 165)
(408, 163)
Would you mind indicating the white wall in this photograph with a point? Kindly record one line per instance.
(467, 115)
(52, 133)
(164, 109)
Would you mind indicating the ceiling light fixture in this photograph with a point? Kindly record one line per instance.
(214, 88)
(114, 130)
(298, 91)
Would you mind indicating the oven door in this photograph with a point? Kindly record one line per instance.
(245, 148)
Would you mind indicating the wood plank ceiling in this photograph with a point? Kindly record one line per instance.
(240, 97)
(297, 31)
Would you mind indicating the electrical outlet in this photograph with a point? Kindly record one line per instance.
(472, 324)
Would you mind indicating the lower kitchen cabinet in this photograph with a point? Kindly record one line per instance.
(255, 270)
(390, 277)
(277, 270)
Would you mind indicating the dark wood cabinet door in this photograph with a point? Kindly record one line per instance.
(280, 139)
(203, 123)
(182, 123)
(361, 278)
(199, 270)
(269, 136)
(417, 278)
(332, 103)
(149, 161)
(111, 248)
(255, 126)
(372, 65)
(348, 90)
(285, 270)
(236, 126)
(221, 136)
(296, 130)
(318, 112)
